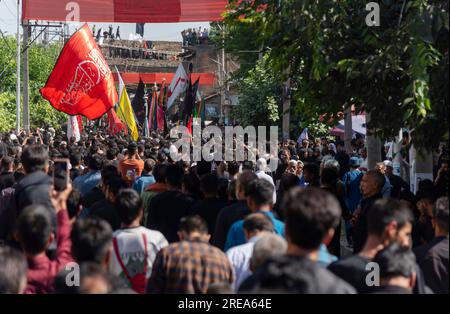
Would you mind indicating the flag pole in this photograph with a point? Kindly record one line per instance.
(18, 71)
(146, 130)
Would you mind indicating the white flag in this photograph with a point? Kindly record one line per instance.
(178, 85)
(303, 136)
(73, 129)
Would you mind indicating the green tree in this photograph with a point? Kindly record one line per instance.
(258, 96)
(41, 62)
(397, 71)
(7, 111)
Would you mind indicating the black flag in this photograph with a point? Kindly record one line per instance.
(138, 103)
(189, 101)
(140, 29)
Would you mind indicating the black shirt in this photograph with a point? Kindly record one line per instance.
(433, 259)
(165, 212)
(226, 217)
(280, 169)
(398, 184)
(353, 270)
(344, 163)
(93, 196)
(74, 173)
(360, 229)
(106, 211)
(208, 209)
(422, 232)
(305, 153)
(6, 180)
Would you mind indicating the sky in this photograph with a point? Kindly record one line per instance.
(154, 31)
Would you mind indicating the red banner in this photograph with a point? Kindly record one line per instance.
(81, 81)
(124, 11)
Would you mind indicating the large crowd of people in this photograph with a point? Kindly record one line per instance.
(135, 221)
(193, 36)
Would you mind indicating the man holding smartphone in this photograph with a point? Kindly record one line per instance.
(132, 165)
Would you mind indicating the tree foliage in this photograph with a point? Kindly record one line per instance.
(397, 72)
(41, 62)
(258, 96)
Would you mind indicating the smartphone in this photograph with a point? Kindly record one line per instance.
(61, 174)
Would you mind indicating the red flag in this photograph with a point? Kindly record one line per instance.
(115, 124)
(153, 111)
(80, 123)
(160, 118)
(189, 126)
(162, 91)
(81, 81)
(160, 109)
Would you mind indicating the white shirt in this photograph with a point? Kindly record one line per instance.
(262, 175)
(132, 250)
(239, 257)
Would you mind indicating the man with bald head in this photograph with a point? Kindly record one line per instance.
(371, 186)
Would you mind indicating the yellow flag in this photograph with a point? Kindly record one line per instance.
(125, 111)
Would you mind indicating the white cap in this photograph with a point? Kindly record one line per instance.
(293, 163)
(261, 164)
(13, 137)
(388, 163)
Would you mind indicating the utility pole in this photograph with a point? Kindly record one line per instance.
(18, 70)
(26, 97)
(222, 77)
(286, 106)
(373, 145)
(348, 130)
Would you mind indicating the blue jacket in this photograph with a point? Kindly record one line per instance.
(142, 182)
(353, 196)
(87, 182)
(236, 235)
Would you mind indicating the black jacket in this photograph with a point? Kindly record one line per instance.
(294, 274)
(34, 189)
(433, 259)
